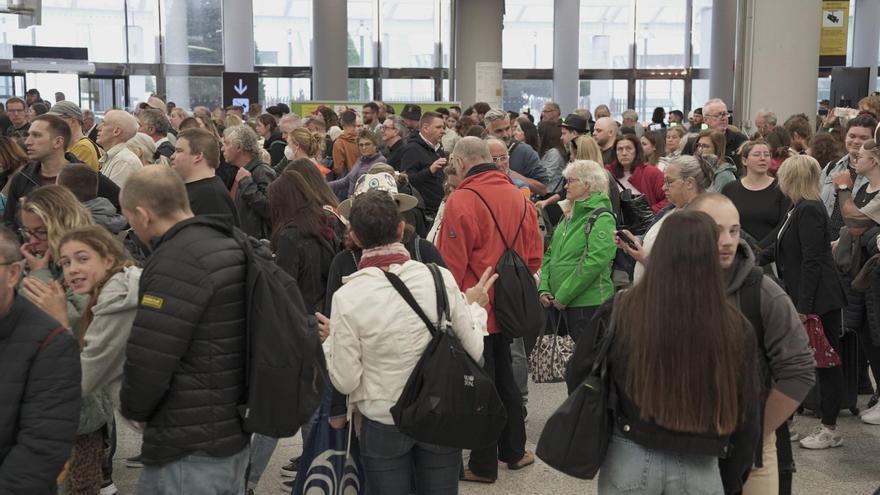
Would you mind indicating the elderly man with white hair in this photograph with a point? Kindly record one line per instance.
(716, 116)
(119, 162)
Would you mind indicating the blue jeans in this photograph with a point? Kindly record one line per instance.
(630, 468)
(262, 448)
(196, 475)
(520, 369)
(393, 460)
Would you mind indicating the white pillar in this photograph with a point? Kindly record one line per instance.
(176, 52)
(723, 50)
(330, 50)
(566, 26)
(779, 70)
(238, 35)
(478, 25)
(866, 38)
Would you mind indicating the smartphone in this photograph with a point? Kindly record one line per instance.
(627, 239)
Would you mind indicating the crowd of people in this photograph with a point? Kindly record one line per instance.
(725, 270)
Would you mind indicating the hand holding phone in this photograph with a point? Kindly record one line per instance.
(626, 239)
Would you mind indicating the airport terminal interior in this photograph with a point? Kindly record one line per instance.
(651, 68)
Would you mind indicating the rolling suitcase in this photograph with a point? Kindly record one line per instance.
(849, 355)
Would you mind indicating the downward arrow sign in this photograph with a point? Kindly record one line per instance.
(240, 88)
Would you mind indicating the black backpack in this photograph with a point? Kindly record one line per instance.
(448, 399)
(284, 356)
(518, 311)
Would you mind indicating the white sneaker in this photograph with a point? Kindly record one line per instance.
(794, 436)
(869, 409)
(871, 416)
(822, 438)
(109, 490)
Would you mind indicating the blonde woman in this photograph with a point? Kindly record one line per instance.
(304, 143)
(143, 146)
(803, 257)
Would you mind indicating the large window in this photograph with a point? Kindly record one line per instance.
(360, 89)
(361, 52)
(606, 34)
(193, 31)
(192, 91)
(699, 92)
(408, 33)
(283, 32)
(408, 90)
(660, 33)
(611, 92)
(652, 93)
(701, 35)
(531, 94)
(274, 90)
(527, 38)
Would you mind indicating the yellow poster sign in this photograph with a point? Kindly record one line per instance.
(835, 27)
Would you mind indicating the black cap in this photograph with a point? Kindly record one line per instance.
(411, 112)
(576, 123)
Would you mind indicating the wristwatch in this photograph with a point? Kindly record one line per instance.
(842, 187)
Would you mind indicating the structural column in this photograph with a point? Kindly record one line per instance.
(238, 35)
(566, 25)
(723, 50)
(778, 70)
(330, 50)
(866, 38)
(477, 33)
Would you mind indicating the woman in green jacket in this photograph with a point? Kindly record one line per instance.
(576, 273)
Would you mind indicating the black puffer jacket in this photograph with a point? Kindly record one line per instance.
(185, 361)
(39, 399)
(307, 258)
(416, 158)
(252, 200)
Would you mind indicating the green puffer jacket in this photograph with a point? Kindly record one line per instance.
(572, 281)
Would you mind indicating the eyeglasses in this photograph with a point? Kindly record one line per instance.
(718, 116)
(704, 146)
(571, 180)
(501, 158)
(671, 180)
(365, 145)
(40, 235)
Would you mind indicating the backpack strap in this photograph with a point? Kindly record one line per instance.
(495, 221)
(407, 296)
(588, 227)
(49, 338)
(750, 303)
(417, 252)
(442, 299)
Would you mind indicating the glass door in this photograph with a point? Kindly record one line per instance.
(11, 85)
(102, 93)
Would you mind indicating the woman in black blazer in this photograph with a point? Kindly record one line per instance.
(803, 258)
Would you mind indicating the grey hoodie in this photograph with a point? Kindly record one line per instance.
(105, 214)
(787, 357)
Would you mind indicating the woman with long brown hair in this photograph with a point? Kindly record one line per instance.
(685, 376)
(97, 265)
(12, 159)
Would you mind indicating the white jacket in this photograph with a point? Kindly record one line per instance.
(376, 339)
(106, 337)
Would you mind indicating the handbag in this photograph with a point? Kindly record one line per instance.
(847, 254)
(636, 211)
(575, 437)
(448, 399)
(823, 353)
(331, 461)
(551, 354)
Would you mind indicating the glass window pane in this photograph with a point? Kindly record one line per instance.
(611, 92)
(143, 32)
(699, 93)
(408, 33)
(531, 93)
(140, 88)
(48, 84)
(283, 32)
(660, 33)
(606, 34)
(527, 37)
(824, 87)
(653, 93)
(193, 31)
(408, 90)
(360, 89)
(360, 33)
(702, 33)
(192, 91)
(284, 90)
(445, 30)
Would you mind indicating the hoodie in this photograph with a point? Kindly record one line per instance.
(724, 174)
(785, 357)
(345, 154)
(104, 214)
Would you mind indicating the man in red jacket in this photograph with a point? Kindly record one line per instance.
(469, 243)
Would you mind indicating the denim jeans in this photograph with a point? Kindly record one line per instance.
(630, 468)
(392, 460)
(196, 475)
(520, 369)
(262, 448)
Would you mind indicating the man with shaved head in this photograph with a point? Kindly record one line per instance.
(605, 132)
(184, 373)
(119, 162)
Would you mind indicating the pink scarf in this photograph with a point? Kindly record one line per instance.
(383, 256)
